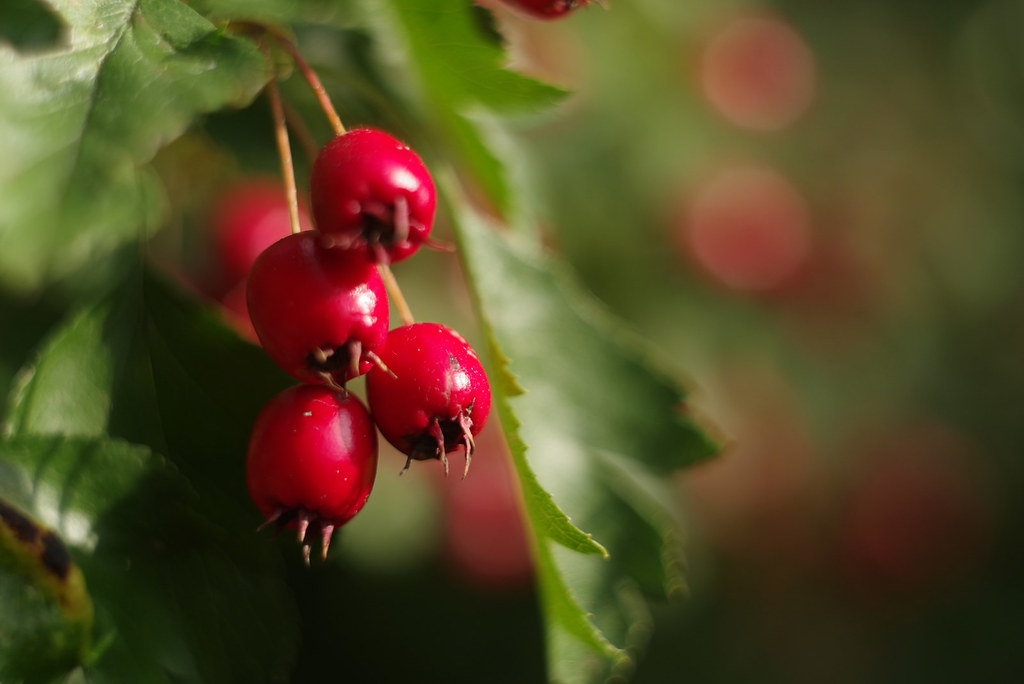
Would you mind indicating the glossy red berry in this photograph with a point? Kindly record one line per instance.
(434, 395)
(371, 193)
(547, 9)
(312, 461)
(247, 218)
(320, 313)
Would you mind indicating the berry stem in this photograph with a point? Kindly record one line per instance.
(284, 148)
(395, 292)
(312, 79)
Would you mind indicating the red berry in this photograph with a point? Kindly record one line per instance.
(919, 516)
(759, 73)
(748, 227)
(320, 313)
(312, 461)
(547, 9)
(433, 395)
(249, 217)
(371, 193)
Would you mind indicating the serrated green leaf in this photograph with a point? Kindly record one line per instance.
(78, 122)
(457, 72)
(597, 429)
(547, 517)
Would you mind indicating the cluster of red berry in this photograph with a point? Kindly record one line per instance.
(319, 304)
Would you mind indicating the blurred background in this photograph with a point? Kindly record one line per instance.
(816, 212)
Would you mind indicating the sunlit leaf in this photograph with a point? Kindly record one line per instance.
(78, 122)
(457, 70)
(596, 428)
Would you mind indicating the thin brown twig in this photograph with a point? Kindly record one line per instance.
(284, 148)
(311, 78)
(259, 31)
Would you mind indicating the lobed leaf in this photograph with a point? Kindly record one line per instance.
(597, 428)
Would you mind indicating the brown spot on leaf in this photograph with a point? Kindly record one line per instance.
(23, 528)
(55, 555)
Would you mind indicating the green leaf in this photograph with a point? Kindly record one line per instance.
(176, 594)
(78, 123)
(458, 73)
(266, 11)
(152, 366)
(455, 58)
(28, 25)
(597, 427)
(81, 359)
(182, 584)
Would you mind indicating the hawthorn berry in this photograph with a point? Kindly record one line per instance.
(369, 192)
(547, 9)
(246, 218)
(433, 395)
(312, 461)
(320, 313)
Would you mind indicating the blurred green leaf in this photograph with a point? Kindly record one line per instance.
(176, 594)
(153, 366)
(598, 425)
(78, 123)
(68, 390)
(266, 11)
(28, 25)
(182, 581)
(457, 71)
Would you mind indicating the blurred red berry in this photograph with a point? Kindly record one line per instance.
(758, 73)
(747, 227)
(247, 217)
(918, 517)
